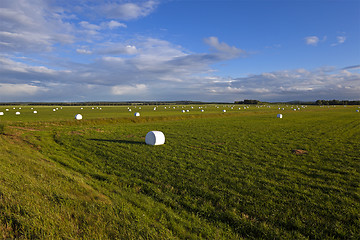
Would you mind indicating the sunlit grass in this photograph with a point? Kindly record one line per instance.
(218, 176)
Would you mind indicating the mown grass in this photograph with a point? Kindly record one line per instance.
(218, 176)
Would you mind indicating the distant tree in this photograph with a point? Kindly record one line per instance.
(319, 102)
(247, 101)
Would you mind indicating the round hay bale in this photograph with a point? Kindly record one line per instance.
(17, 113)
(183, 111)
(35, 111)
(155, 138)
(224, 110)
(78, 116)
(357, 110)
(137, 114)
(1, 113)
(279, 115)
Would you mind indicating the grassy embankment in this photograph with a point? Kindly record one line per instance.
(219, 176)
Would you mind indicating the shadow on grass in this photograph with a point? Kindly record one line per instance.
(117, 141)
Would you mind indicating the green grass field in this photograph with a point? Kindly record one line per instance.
(219, 175)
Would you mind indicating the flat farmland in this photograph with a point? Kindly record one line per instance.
(239, 174)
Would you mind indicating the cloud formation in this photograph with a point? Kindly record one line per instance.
(298, 84)
(340, 40)
(49, 53)
(312, 40)
(130, 10)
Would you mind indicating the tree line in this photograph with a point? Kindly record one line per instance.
(337, 102)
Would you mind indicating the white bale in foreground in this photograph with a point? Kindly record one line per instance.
(224, 110)
(279, 115)
(357, 110)
(155, 138)
(17, 113)
(35, 111)
(1, 113)
(78, 116)
(137, 114)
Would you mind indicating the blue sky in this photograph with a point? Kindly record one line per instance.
(207, 50)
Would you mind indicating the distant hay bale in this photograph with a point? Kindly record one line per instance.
(183, 111)
(78, 116)
(279, 115)
(129, 110)
(35, 111)
(17, 113)
(224, 110)
(357, 110)
(155, 138)
(1, 113)
(7, 109)
(137, 114)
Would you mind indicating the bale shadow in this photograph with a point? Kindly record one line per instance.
(117, 141)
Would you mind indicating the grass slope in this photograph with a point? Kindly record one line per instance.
(219, 176)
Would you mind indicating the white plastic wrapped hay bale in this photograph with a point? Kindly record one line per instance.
(17, 113)
(224, 111)
(1, 113)
(35, 111)
(279, 115)
(137, 114)
(78, 116)
(155, 138)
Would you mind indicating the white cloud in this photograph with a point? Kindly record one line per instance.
(19, 90)
(131, 10)
(83, 51)
(89, 26)
(340, 40)
(114, 24)
(31, 26)
(223, 47)
(128, 90)
(117, 49)
(312, 40)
